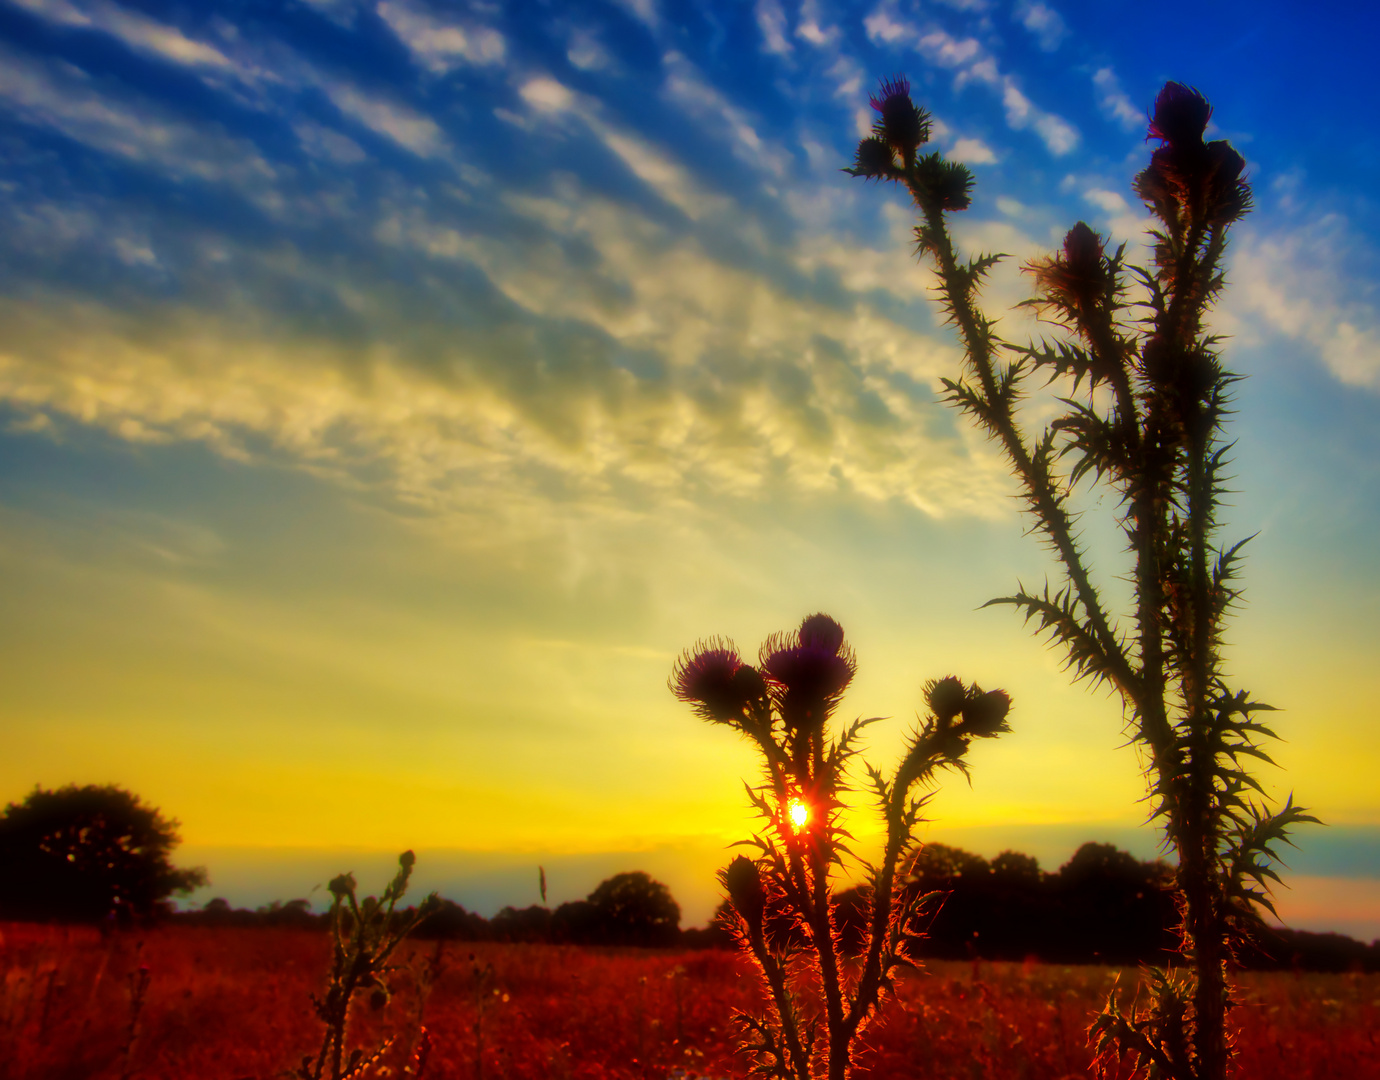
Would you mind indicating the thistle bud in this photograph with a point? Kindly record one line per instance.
(1181, 116)
(902, 126)
(945, 698)
(744, 885)
(342, 886)
(948, 183)
(984, 715)
(874, 161)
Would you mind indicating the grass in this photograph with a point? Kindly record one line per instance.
(231, 1004)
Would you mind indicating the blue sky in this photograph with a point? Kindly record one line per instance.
(389, 391)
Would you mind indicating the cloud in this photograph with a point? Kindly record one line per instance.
(327, 143)
(1292, 282)
(587, 53)
(771, 21)
(972, 152)
(1044, 23)
(974, 65)
(644, 11)
(114, 122)
(394, 121)
(439, 46)
(137, 31)
(1058, 135)
(808, 28)
(667, 178)
(1113, 102)
(688, 89)
(616, 357)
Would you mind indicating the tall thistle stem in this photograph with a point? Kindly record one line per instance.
(1155, 440)
(782, 901)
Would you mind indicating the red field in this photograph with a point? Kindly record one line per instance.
(234, 1004)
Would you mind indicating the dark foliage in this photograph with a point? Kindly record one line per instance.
(84, 854)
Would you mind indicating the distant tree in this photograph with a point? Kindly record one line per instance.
(576, 922)
(1114, 906)
(1014, 866)
(87, 853)
(521, 924)
(451, 922)
(635, 909)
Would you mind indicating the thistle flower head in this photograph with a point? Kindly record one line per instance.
(875, 160)
(810, 668)
(902, 125)
(1181, 116)
(342, 885)
(945, 698)
(984, 714)
(1071, 282)
(744, 884)
(948, 183)
(820, 631)
(714, 680)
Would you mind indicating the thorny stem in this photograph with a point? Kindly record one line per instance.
(1040, 489)
(1160, 449)
(789, 884)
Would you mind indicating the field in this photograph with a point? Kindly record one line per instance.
(233, 1004)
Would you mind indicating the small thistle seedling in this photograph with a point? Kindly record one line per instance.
(363, 937)
(783, 899)
(1143, 418)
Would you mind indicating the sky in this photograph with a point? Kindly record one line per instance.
(390, 391)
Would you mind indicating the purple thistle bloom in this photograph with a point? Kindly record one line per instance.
(1181, 116)
(821, 631)
(716, 682)
(897, 87)
(810, 669)
(902, 126)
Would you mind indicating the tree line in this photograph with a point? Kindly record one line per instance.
(100, 855)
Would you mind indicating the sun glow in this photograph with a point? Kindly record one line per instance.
(798, 812)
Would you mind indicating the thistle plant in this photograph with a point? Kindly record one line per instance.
(364, 935)
(817, 999)
(1146, 398)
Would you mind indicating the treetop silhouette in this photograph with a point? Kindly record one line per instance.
(88, 853)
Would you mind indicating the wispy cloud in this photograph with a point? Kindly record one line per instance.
(972, 152)
(973, 64)
(1113, 102)
(384, 116)
(1045, 24)
(135, 30)
(441, 46)
(811, 26)
(771, 21)
(1290, 282)
(114, 121)
(688, 88)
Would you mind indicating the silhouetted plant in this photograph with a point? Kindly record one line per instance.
(1147, 398)
(785, 917)
(363, 938)
(88, 853)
